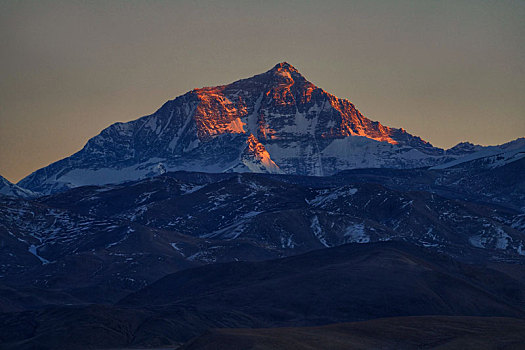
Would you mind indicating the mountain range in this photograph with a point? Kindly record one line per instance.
(265, 203)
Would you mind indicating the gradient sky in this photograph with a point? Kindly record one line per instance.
(447, 71)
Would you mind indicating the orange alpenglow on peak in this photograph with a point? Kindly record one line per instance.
(282, 91)
(284, 66)
(287, 71)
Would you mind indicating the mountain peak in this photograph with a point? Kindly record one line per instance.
(284, 66)
(285, 72)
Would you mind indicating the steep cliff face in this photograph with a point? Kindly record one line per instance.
(272, 122)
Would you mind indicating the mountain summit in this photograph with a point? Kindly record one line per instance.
(276, 122)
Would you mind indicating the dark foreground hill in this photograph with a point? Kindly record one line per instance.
(429, 332)
(348, 283)
(351, 282)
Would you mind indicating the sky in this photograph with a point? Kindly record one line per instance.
(447, 71)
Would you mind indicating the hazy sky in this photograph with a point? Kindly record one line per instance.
(447, 71)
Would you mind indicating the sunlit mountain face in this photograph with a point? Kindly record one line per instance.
(264, 203)
(282, 97)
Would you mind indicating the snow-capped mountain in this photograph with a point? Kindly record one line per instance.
(275, 122)
(10, 189)
(486, 157)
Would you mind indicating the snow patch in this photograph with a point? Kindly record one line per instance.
(356, 234)
(318, 232)
(33, 249)
(179, 250)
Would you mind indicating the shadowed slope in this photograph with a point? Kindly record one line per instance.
(391, 333)
(348, 283)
